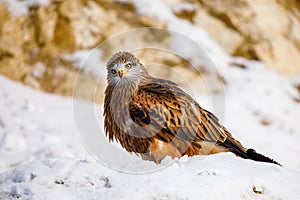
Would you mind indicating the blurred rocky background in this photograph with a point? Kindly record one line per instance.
(34, 41)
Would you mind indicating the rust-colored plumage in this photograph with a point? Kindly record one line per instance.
(155, 118)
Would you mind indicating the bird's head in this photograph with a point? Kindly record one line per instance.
(125, 68)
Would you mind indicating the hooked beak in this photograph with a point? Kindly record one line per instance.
(121, 72)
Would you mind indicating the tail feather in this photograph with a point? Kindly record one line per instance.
(253, 155)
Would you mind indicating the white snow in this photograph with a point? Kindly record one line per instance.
(34, 125)
(41, 155)
(19, 8)
(220, 176)
(89, 61)
(256, 95)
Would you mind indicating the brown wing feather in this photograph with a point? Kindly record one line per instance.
(175, 115)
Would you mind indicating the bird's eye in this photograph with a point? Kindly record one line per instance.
(128, 66)
(113, 71)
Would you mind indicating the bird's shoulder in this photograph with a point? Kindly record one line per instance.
(163, 90)
(159, 86)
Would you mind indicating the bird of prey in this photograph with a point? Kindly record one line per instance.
(154, 118)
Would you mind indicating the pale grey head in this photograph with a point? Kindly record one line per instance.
(124, 68)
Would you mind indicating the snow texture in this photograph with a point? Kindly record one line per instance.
(221, 176)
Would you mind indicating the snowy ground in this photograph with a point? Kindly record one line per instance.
(220, 176)
(34, 125)
(41, 156)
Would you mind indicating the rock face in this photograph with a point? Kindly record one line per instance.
(266, 30)
(32, 45)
